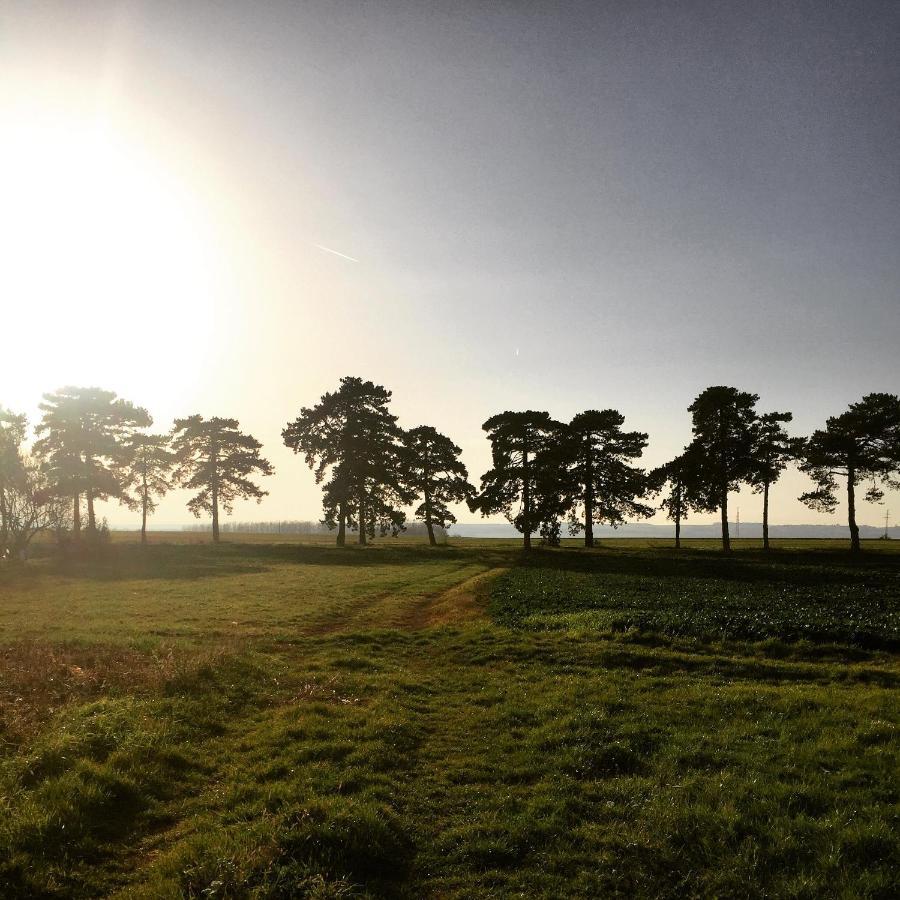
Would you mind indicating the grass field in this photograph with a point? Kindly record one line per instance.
(270, 719)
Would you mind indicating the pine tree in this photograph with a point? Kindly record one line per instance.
(518, 442)
(435, 473)
(85, 434)
(773, 449)
(606, 488)
(682, 477)
(351, 437)
(861, 444)
(335, 503)
(149, 472)
(723, 420)
(214, 458)
(554, 489)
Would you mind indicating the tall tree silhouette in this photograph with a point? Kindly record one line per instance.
(554, 489)
(773, 449)
(351, 437)
(337, 503)
(723, 419)
(149, 472)
(321, 434)
(12, 433)
(862, 444)
(682, 475)
(436, 474)
(84, 443)
(214, 458)
(518, 440)
(606, 488)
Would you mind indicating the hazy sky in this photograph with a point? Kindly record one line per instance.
(550, 205)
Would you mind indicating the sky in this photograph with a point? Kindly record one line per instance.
(554, 206)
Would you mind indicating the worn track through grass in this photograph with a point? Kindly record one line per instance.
(432, 606)
(461, 604)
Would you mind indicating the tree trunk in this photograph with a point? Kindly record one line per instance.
(214, 460)
(342, 524)
(92, 522)
(4, 517)
(766, 516)
(588, 499)
(851, 511)
(215, 513)
(144, 504)
(723, 489)
(362, 517)
(526, 501)
(726, 537)
(678, 516)
(428, 523)
(76, 514)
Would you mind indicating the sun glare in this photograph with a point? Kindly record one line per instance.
(106, 261)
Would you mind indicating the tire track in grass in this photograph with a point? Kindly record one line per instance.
(462, 603)
(390, 609)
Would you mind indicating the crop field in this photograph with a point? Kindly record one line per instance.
(268, 718)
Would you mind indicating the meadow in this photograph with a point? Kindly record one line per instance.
(268, 718)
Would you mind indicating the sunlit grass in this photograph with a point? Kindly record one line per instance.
(333, 743)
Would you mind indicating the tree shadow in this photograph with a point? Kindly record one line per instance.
(796, 568)
(174, 561)
(194, 561)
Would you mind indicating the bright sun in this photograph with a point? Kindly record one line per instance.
(105, 277)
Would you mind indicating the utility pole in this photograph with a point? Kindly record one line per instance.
(737, 524)
(887, 519)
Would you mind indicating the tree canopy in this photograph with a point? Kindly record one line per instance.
(435, 473)
(149, 472)
(213, 457)
(351, 437)
(723, 427)
(681, 476)
(84, 442)
(29, 504)
(773, 449)
(517, 441)
(861, 444)
(604, 486)
(93, 445)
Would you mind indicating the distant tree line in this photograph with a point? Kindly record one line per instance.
(292, 526)
(545, 474)
(92, 445)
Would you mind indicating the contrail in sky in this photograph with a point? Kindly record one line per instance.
(335, 252)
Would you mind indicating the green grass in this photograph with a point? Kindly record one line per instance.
(790, 596)
(273, 720)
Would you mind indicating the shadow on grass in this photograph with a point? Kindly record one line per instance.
(809, 568)
(176, 561)
(198, 561)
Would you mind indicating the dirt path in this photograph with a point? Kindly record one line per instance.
(464, 602)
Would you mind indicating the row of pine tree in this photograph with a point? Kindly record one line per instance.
(92, 445)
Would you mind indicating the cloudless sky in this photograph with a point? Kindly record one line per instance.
(548, 205)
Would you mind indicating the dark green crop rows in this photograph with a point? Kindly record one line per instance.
(791, 597)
